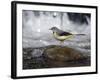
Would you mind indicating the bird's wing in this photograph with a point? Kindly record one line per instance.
(63, 33)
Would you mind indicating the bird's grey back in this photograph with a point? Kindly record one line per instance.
(62, 33)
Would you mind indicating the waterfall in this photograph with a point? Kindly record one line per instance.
(36, 25)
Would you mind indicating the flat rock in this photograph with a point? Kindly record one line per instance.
(59, 53)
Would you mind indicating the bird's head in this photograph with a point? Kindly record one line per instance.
(54, 29)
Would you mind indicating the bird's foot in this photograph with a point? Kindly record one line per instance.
(61, 43)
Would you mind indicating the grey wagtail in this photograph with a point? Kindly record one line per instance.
(62, 35)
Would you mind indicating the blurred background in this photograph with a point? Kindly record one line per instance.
(36, 25)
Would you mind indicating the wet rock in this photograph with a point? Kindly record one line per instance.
(37, 52)
(59, 53)
(54, 56)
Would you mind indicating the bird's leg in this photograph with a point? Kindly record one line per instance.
(61, 42)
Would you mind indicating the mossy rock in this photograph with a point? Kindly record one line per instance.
(62, 53)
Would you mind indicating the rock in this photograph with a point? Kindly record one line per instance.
(37, 52)
(59, 53)
(54, 56)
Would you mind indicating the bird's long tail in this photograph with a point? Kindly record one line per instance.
(79, 34)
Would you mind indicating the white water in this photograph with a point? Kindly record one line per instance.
(36, 31)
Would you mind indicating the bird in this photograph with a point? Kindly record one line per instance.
(62, 35)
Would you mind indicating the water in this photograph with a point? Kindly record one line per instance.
(36, 37)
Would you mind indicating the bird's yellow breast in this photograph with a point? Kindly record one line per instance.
(61, 38)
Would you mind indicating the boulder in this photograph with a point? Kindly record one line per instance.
(59, 53)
